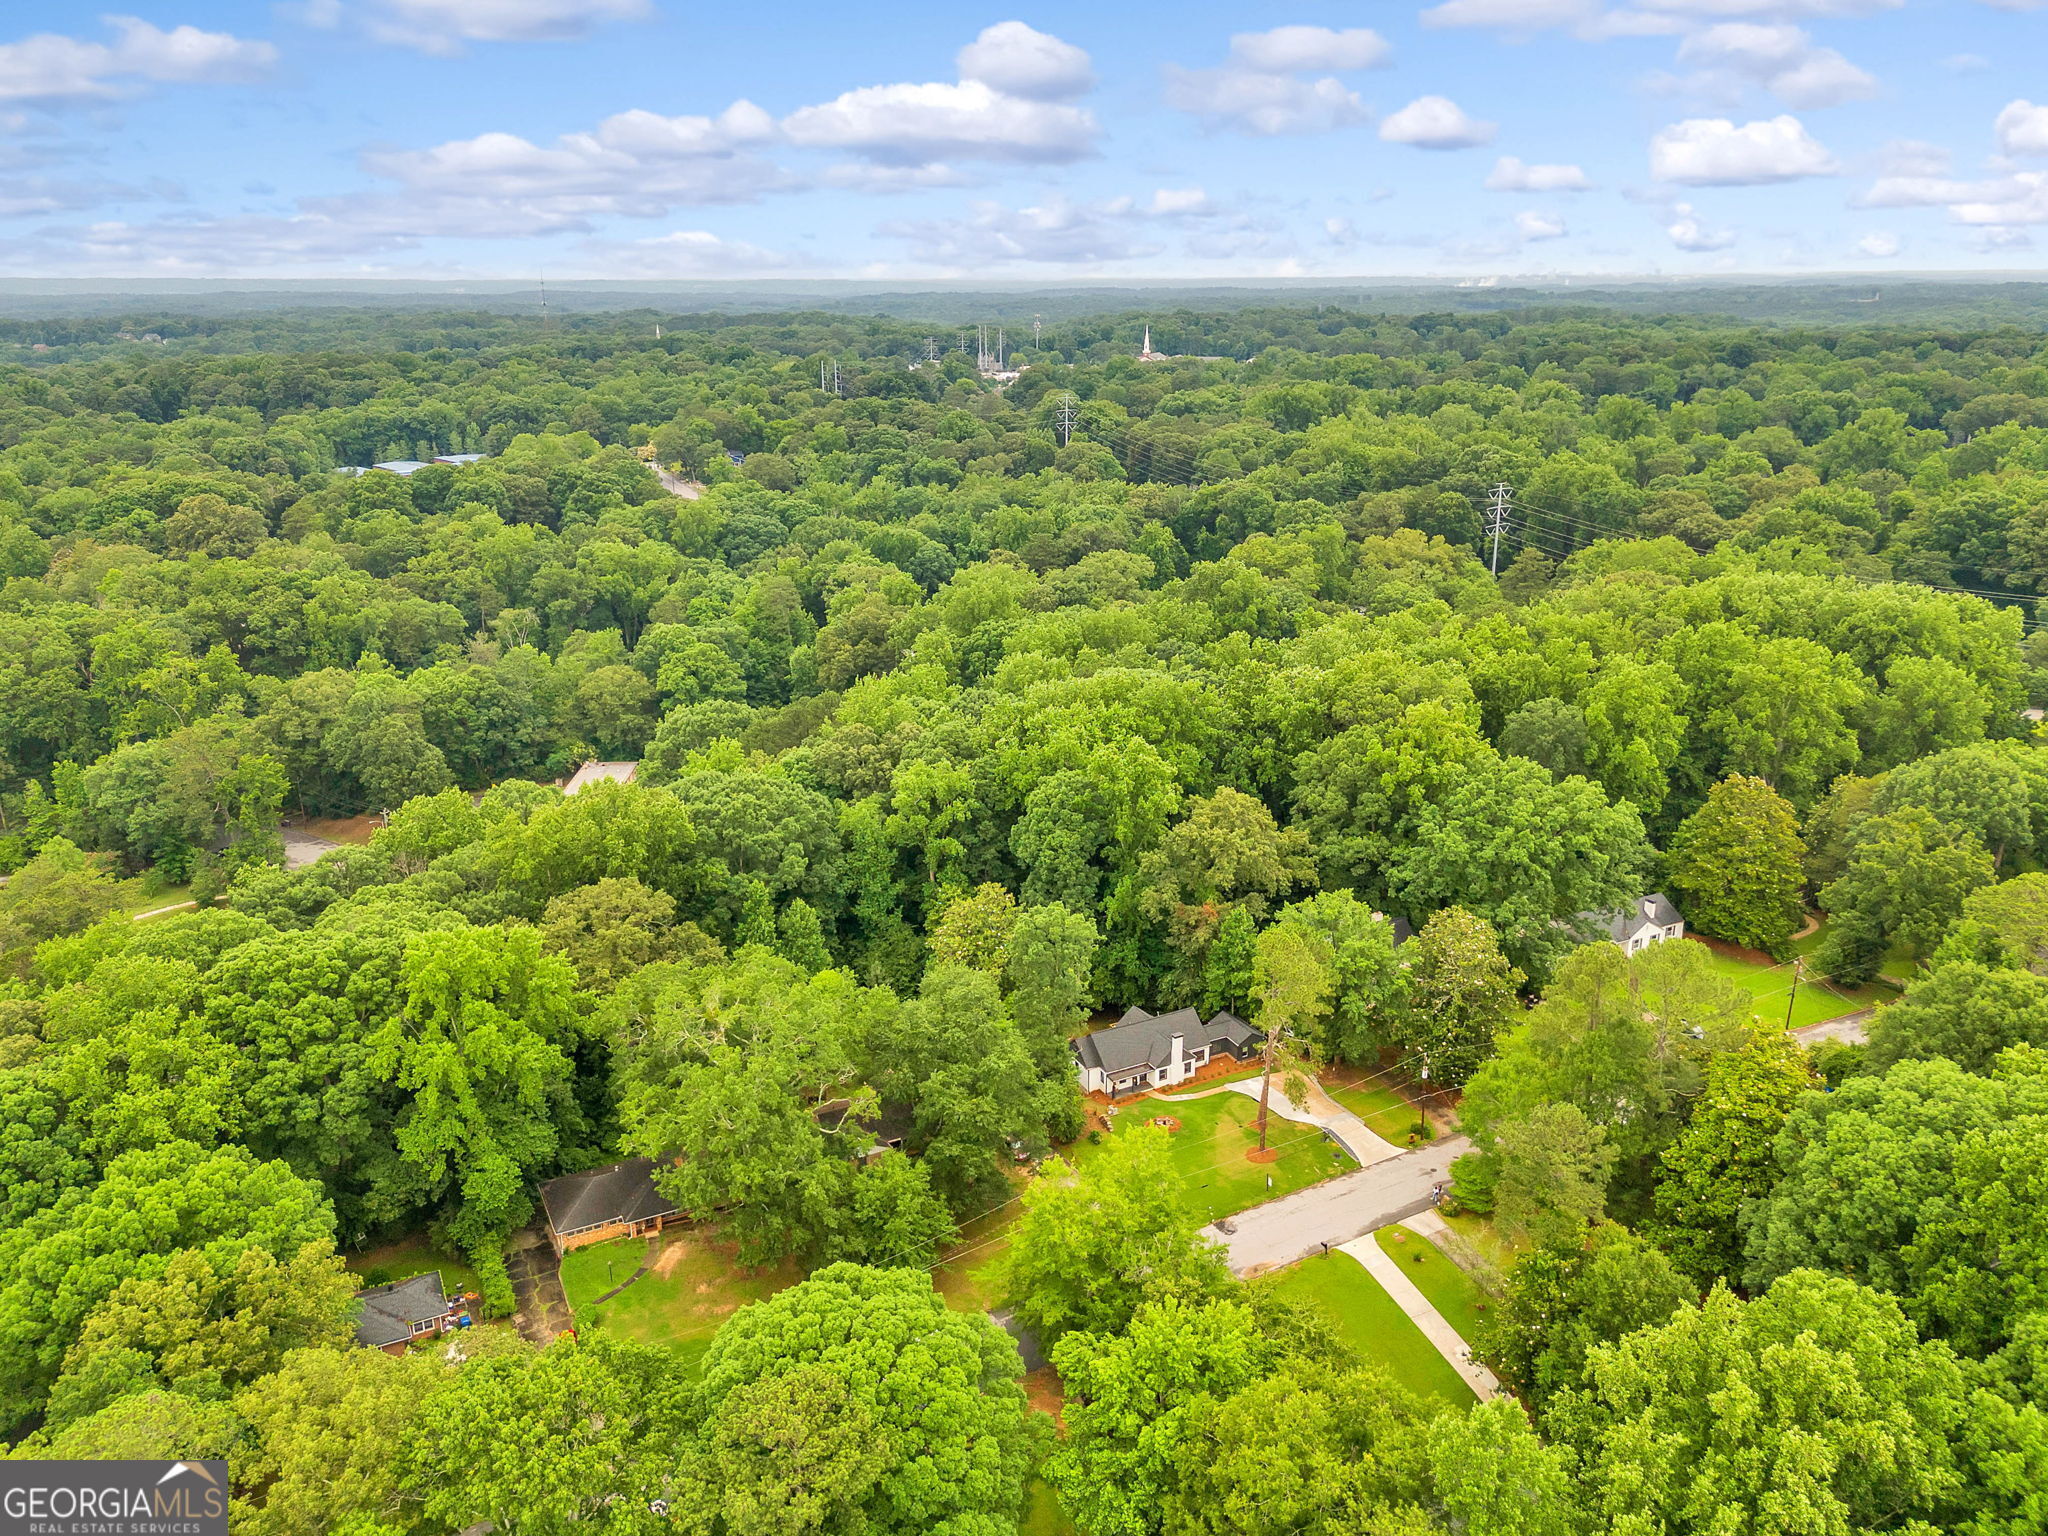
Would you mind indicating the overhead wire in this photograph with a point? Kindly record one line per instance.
(1274, 1144)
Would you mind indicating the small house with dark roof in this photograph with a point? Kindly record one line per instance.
(617, 1201)
(890, 1124)
(396, 1314)
(1650, 920)
(1141, 1051)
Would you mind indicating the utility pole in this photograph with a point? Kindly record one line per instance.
(1063, 416)
(545, 323)
(1794, 997)
(1497, 522)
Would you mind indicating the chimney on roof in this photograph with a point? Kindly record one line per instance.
(1174, 1059)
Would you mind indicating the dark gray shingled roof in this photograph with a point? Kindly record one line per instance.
(389, 1311)
(1140, 1040)
(623, 1192)
(1652, 911)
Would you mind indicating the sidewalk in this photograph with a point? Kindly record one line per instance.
(1381, 1266)
(1351, 1133)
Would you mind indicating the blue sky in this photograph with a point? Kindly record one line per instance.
(907, 138)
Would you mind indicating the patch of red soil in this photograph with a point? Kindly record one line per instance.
(341, 829)
(1045, 1391)
(1736, 951)
(1270, 1155)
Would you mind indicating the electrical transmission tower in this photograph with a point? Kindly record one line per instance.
(1065, 416)
(1037, 324)
(828, 376)
(1497, 521)
(931, 349)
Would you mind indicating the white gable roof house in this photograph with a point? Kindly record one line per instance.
(1140, 1051)
(1651, 920)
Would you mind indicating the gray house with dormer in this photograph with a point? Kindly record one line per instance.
(1141, 1051)
(1650, 920)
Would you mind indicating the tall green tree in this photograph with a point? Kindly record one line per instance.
(1737, 865)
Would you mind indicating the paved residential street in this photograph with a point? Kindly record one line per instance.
(676, 485)
(1850, 1029)
(1337, 1210)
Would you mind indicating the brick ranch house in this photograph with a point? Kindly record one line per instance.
(1140, 1051)
(394, 1315)
(604, 1203)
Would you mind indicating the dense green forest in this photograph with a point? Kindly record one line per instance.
(965, 707)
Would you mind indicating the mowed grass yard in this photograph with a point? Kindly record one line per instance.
(1386, 1113)
(1367, 1319)
(1209, 1152)
(1770, 986)
(694, 1284)
(408, 1257)
(1455, 1294)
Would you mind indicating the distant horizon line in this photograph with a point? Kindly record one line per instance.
(163, 284)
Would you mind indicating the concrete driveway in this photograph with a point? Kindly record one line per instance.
(1337, 1210)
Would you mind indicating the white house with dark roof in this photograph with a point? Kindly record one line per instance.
(1141, 1051)
(1652, 920)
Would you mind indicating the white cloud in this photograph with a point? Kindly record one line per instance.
(1022, 61)
(1300, 50)
(2018, 198)
(2022, 129)
(1254, 102)
(443, 27)
(1589, 19)
(1532, 225)
(917, 124)
(1714, 152)
(1177, 202)
(635, 162)
(684, 253)
(1879, 243)
(1512, 175)
(1778, 58)
(1965, 63)
(1688, 233)
(2021, 199)
(1915, 157)
(1435, 122)
(1055, 231)
(48, 67)
(1776, 9)
(1115, 231)
(1263, 88)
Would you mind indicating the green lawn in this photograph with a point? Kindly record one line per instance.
(1898, 963)
(1448, 1288)
(1486, 1238)
(1771, 987)
(406, 1258)
(1042, 1513)
(966, 1277)
(1367, 1319)
(136, 901)
(695, 1285)
(1386, 1113)
(1209, 1150)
